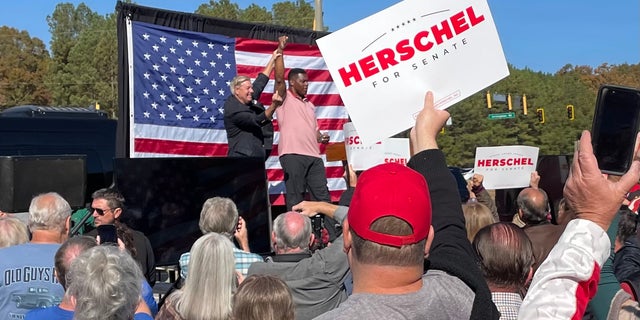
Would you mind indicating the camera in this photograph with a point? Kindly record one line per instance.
(317, 224)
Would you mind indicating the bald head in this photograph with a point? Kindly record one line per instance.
(533, 205)
(292, 232)
(68, 252)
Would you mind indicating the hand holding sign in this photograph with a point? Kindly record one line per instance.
(428, 124)
(535, 180)
(477, 180)
(388, 58)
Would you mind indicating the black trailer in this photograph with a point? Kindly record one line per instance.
(41, 147)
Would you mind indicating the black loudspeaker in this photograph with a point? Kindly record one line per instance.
(23, 177)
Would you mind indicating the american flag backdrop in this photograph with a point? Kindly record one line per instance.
(180, 81)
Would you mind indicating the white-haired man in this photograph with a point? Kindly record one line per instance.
(28, 274)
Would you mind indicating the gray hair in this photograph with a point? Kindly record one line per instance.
(12, 232)
(219, 215)
(48, 211)
(289, 233)
(237, 81)
(208, 290)
(113, 197)
(106, 283)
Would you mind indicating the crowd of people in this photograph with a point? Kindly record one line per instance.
(405, 246)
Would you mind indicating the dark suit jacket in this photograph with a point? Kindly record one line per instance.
(244, 123)
(543, 238)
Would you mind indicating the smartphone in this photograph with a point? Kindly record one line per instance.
(108, 234)
(615, 124)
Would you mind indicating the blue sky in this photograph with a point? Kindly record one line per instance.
(542, 35)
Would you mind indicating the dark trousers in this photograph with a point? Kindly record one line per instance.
(302, 173)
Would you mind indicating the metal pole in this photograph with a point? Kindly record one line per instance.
(318, 24)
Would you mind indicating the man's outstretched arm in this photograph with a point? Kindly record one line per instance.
(280, 86)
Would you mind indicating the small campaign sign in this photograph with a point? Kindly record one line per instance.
(363, 156)
(506, 167)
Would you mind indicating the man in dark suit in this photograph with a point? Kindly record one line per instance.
(245, 117)
(534, 211)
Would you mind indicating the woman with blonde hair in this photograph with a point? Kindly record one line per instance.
(263, 297)
(476, 216)
(207, 293)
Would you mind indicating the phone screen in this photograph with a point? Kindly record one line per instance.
(107, 233)
(614, 128)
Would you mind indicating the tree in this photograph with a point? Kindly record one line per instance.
(471, 127)
(223, 9)
(23, 68)
(298, 14)
(256, 13)
(105, 61)
(624, 74)
(66, 24)
(92, 66)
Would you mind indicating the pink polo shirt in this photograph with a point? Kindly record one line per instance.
(298, 127)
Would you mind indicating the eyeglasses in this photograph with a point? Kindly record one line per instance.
(100, 212)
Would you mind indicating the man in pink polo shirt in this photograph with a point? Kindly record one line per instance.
(299, 137)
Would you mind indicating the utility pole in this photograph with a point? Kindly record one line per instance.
(318, 24)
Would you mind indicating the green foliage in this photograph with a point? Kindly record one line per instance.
(223, 9)
(471, 127)
(296, 14)
(23, 69)
(256, 13)
(66, 25)
(92, 68)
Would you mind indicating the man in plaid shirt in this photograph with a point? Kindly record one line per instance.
(221, 215)
(495, 244)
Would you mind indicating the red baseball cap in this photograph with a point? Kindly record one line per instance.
(390, 190)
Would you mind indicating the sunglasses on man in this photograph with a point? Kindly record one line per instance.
(100, 212)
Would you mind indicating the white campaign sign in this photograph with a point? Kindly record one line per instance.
(396, 150)
(362, 157)
(507, 166)
(383, 65)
